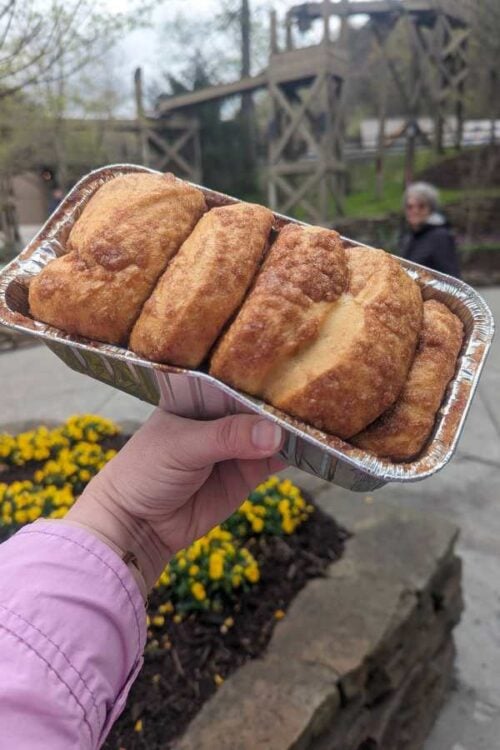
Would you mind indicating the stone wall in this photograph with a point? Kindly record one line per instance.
(364, 657)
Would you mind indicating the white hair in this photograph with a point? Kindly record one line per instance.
(424, 192)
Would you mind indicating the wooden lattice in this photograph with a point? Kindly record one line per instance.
(170, 143)
(306, 171)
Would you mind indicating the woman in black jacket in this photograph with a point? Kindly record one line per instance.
(428, 239)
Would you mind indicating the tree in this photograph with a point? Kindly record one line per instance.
(41, 44)
(43, 47)
(215, 51)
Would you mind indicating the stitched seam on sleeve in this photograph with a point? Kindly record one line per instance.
(72, 666)
(51, 669)
(106, 564)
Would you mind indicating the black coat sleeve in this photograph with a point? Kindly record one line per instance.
(445, 254)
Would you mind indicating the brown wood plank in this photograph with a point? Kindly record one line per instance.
(220, 91)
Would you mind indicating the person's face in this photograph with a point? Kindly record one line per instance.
(416, 211)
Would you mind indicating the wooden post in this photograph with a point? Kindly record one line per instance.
(493, 79)
(273, 25)
(325, 11)
(141, 123)
(439, 42)
(379, 162)
(289, 32)
(245, 25)
(248, 126)
(412, 127)
(462, 63)
(343, 40)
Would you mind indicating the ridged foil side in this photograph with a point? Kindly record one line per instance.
(197, 394)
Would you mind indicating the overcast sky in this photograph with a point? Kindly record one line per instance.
(143, 47)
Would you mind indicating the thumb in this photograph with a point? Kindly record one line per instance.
(236, 436)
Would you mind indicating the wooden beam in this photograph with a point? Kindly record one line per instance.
(314, 11)
(304, 166)
(273, 34)
(140, 124)
(212, 93)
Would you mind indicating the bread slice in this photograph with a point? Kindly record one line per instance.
(117, 250)
(203, 285)
(304, 273)
(327, 334)
(402, 431)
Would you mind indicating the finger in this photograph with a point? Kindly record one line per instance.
(199, 444)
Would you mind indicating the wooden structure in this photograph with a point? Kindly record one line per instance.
(437, 32)
(305, 135)
(306, 168)
(171, 144)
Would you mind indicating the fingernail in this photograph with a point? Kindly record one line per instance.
(266, 436)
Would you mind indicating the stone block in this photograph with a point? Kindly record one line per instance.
(269, 703)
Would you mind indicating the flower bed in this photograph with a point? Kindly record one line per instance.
(216, 603)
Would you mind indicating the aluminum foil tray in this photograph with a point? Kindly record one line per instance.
(196, 393)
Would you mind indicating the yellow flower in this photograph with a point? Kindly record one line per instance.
(138, 725)
(166, 608)
(236, 581)
(279, 614)
(216, 566)
(288, 525)
(284, 506)
(257, 525)
(285, 486)
(21, 516)
(198, 591)
(158, 621)
(164, 579)
(193, 570)
(252, 573)
(34, 513)
(218, 679)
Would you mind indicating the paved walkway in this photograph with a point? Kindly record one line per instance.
(35, 385)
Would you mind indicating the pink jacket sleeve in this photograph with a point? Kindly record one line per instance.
(72, 633)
